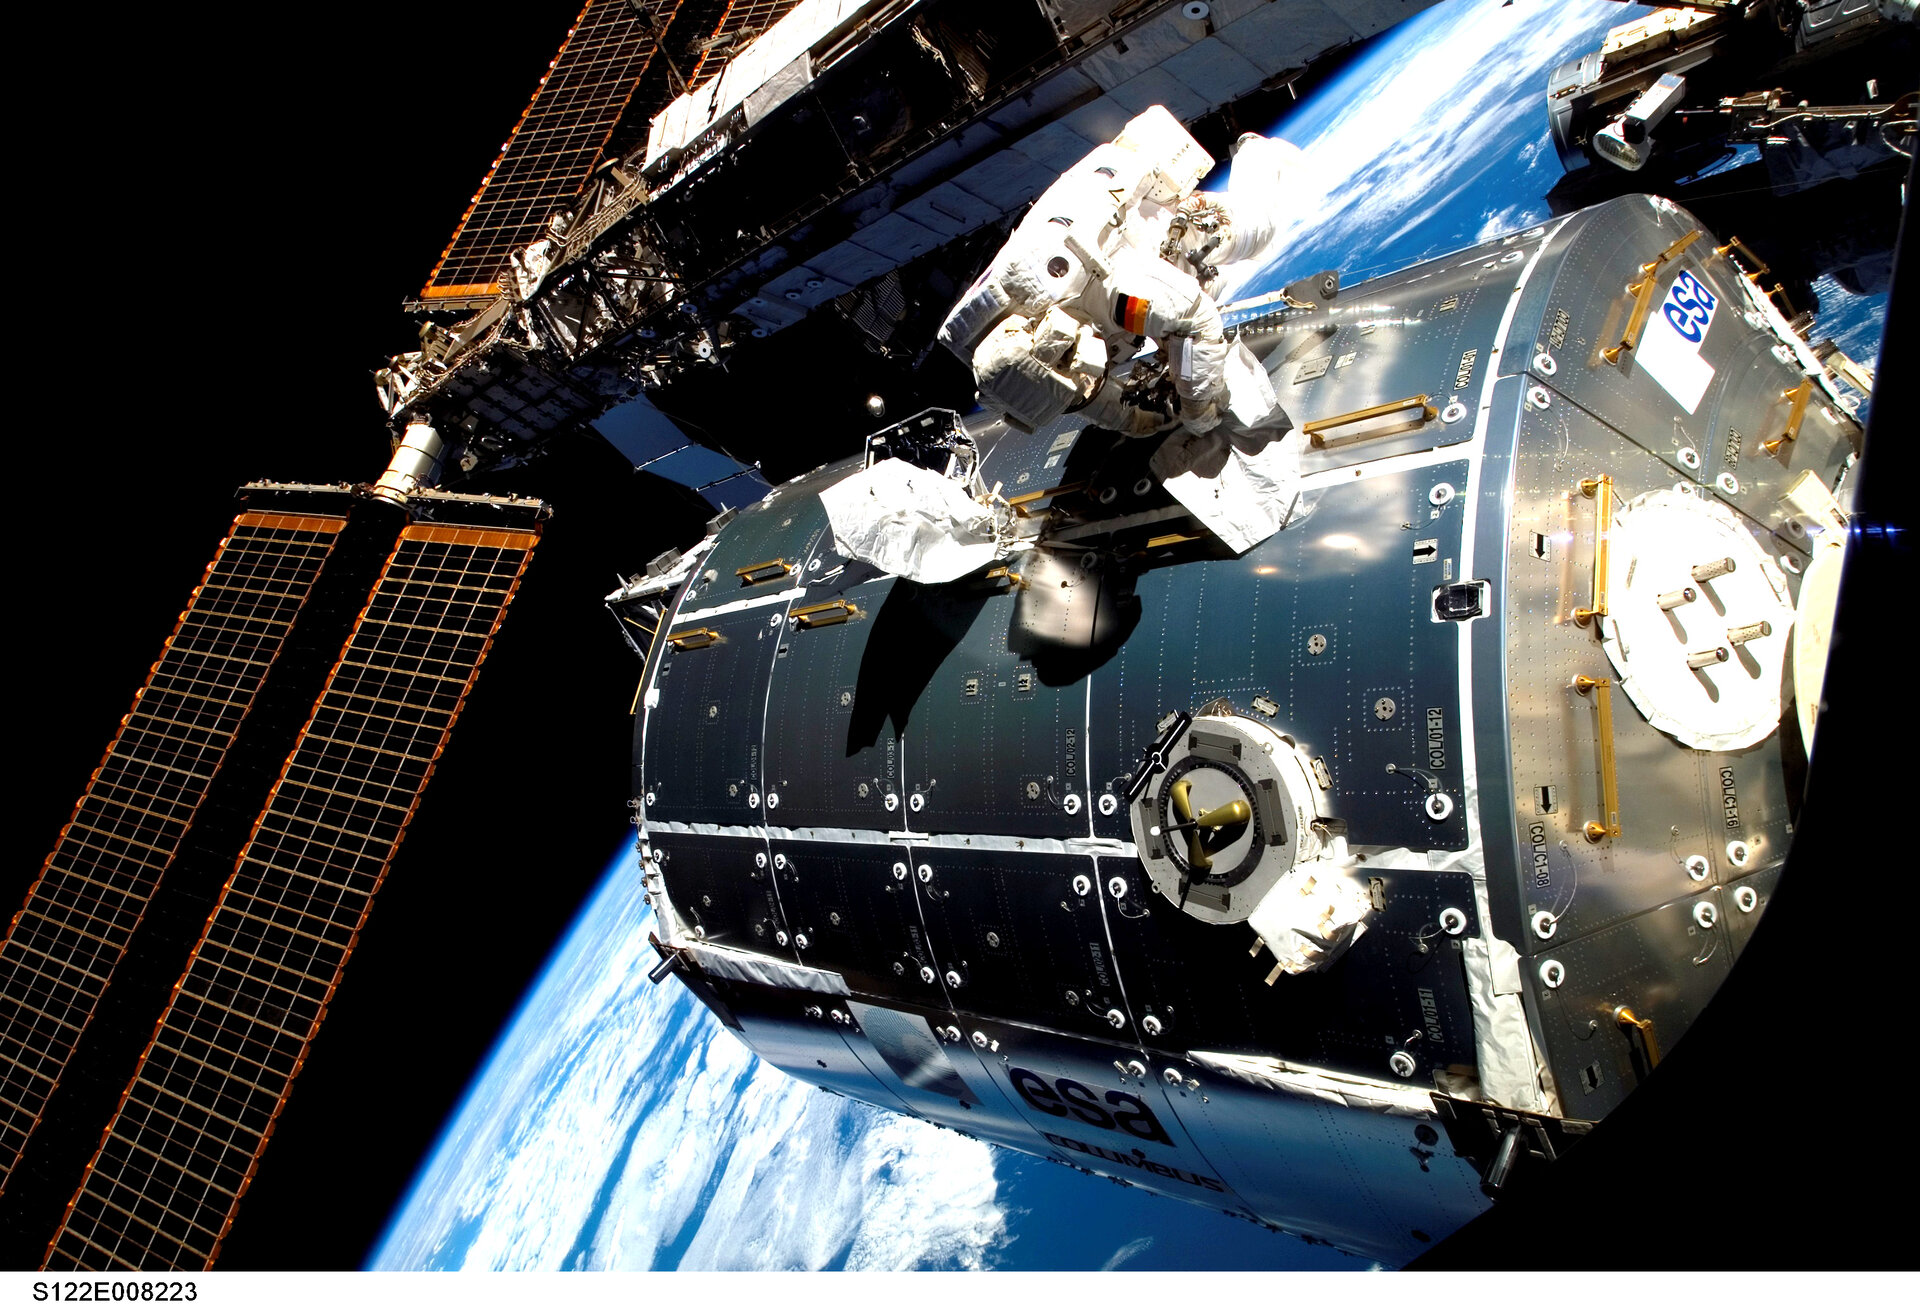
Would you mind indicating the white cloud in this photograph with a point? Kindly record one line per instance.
(1438, 113)
(617, 1124)
(1498, 222)
(1126, 1252)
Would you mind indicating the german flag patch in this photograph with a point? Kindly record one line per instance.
(1130, 311)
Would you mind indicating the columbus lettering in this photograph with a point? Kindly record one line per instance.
(1138, 1160)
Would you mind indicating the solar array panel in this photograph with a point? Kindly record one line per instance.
(63, 945)
(741, 22)
(181, 1148)
(553, 147)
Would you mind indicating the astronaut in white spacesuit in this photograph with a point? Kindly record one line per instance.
(1119, 251)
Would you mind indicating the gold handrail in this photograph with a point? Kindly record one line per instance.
(698, 638)
(1602, 488)
(771, 570)
(1796, 414)
(1019, 502)
(831, 613)
(1609, 777)
(1642, 292)
(1641, 1026)
(1738, 246)
(1424, 403)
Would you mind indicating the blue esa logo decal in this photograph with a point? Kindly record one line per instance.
(1689, 307)
(1129, 1114)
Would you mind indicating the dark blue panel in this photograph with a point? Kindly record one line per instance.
(1401, 985)
(1026, 945)
(702, 760)
(1354, 568)
(718, 887)
(832, 756)
(858, 916)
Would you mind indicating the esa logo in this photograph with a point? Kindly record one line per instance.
(1689, 307)
(1064, 1097)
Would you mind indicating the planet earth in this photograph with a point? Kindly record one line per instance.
(617, 1125)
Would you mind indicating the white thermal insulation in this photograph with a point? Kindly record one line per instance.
(756, 969)
(1324, 1086)
(911, 522)
(1238, 484)
(1311, 917)
(1503, 1045)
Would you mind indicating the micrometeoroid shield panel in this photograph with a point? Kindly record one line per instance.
(1331, 621)
(1402, 988)
(1642, 920)
(1023, 943)
(1555, 884)
(855, 906)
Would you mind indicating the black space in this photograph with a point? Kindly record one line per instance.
(238, 218)
(219, 220)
